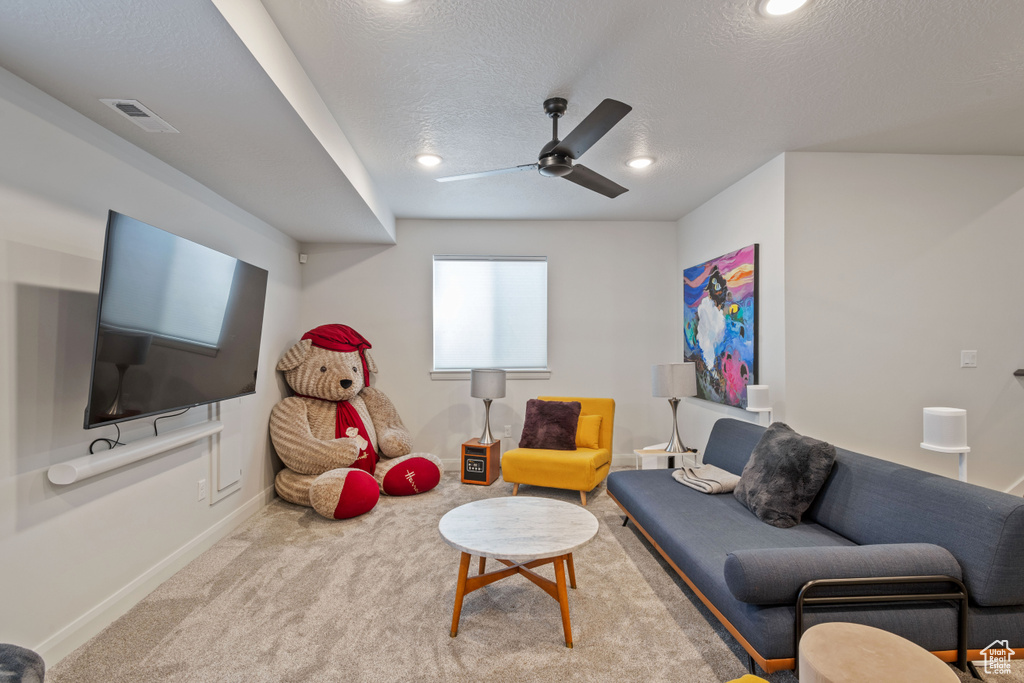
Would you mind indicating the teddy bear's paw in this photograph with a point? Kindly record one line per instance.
(394, 442)
(344, 493)
(410, 474)
(294, 487)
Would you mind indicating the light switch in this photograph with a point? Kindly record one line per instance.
(968, 359)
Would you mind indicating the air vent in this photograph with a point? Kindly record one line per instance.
(140, 115)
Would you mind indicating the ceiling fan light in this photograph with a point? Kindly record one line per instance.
(428, 159)
(640, 162)
(778, 8)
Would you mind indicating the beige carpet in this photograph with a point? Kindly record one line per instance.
(290, 596)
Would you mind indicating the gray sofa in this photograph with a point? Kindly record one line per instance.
(872, 518)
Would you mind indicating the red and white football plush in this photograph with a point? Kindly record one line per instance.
(341, 440)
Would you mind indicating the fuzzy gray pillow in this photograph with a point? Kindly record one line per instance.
(784, 474)
(20, 664)
(550, 424)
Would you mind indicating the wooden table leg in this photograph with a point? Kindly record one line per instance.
(563, 598)
(460, 592)
(483, 564)
(572, 571)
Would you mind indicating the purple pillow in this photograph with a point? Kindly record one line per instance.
(550, 425)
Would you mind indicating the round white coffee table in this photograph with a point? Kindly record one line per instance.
(522, 534)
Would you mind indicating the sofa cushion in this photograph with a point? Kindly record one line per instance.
(578, 470)
(550, 425)
(699, 531)
(731, 443)
(588, 431)
(774, 576)
(783, 475)
(864, 497)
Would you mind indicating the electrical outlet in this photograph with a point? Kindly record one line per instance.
(968, 359)
(508, 430)
(201, 490)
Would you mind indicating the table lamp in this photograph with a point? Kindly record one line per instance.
(487, 383)
(945, 431)
(674, 381)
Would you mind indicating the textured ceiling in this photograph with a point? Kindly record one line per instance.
(716, 91)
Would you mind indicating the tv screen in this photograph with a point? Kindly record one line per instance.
(178, 325)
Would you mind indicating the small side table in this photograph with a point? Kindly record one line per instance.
(654, 458)
(839, 652)
(481, 463)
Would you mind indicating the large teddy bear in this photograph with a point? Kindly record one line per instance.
(331, 433)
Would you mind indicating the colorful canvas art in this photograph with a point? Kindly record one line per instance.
(720, 318)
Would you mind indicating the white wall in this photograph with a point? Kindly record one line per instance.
(611, 311)
(751, 211)
(75, 557)
(894, 264)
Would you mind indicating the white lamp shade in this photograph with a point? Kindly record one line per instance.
(758, 398)
(487, 383)
(125, 348)
(945, 430)
(674, 380)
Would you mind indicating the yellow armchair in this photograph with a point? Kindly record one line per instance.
(579, 470)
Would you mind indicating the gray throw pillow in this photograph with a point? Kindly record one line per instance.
(784, 474)
(550, 424)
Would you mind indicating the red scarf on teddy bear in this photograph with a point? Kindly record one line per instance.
(343, 338)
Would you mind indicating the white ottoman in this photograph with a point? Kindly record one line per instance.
(838, 652)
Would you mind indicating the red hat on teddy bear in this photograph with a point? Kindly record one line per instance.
(341, 338)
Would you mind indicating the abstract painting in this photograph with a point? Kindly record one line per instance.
(720, 319)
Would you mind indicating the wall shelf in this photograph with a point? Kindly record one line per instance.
(90, 465)
(1019, 373)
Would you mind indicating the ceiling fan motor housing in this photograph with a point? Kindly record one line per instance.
(554, 165)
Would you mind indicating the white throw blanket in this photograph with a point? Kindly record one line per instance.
(706, 478)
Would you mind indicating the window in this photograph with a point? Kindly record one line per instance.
(490, 312)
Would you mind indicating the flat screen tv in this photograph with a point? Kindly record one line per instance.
(178, 325)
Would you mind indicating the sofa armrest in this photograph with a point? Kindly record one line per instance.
(774, 576)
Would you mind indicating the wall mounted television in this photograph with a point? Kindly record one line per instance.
(178, 325)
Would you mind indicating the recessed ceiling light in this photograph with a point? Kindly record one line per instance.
(395, 2)
(640, 162)
(428, 159)
(778, 8)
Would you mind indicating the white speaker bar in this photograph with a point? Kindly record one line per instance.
(98, 463)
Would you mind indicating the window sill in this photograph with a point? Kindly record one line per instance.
(509, 374)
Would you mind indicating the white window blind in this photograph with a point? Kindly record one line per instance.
(166, 286)
(490, 312)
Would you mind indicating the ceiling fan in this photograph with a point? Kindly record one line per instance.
(556, 157)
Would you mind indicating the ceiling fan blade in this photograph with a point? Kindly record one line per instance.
(591, 129)
(584, 177)
(483, 174)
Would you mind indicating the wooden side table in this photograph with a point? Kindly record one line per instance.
(481, 463)
(655, 458)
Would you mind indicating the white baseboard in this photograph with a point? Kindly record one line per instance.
(624, 460)
(1017, 488)
(79, 631)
